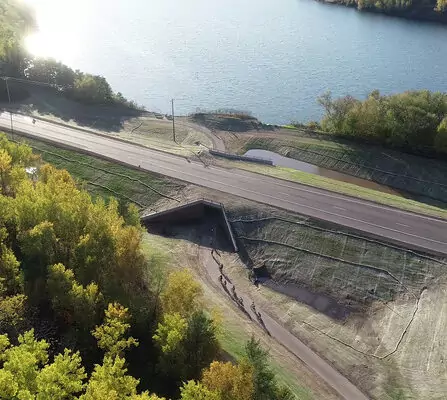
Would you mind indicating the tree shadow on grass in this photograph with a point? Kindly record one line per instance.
(48, 102)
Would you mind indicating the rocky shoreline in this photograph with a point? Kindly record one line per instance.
(426, 13)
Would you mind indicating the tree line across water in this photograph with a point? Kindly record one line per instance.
(414, 120)
(85, 314)
(16, 22)
(438, 6)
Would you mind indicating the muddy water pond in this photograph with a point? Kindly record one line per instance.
(282, 161)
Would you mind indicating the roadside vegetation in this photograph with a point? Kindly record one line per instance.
(414, 121)
(84, 312)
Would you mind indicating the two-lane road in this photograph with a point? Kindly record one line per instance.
(412, 230)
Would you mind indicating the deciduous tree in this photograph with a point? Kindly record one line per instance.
(77, 304)
(192, 390)
(62, 379)
(111, 334)
(182, 294)
(232, 382)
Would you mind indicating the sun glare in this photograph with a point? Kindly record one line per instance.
(54, 37)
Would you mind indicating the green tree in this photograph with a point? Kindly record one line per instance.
(63, 379)
(15, 22)
(192, 390)
(265, 384)
(232, 382)
(441, 136)
(12, 313)
(11, 277)
(110, 381)
(408, 119)
(200, 344)
(263, 377)
(39, 247)
(78, 305)
(171, 332)
(111, 334)
(50, 71)
(23, 362)
(182, 294)
(92, 89)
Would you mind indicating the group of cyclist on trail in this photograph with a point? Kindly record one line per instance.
(240, 300)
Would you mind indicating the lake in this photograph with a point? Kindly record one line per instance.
(272, 58)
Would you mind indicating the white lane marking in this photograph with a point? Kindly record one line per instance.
(406, 226)
(340, 208)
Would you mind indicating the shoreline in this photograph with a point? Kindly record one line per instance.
(423, 14)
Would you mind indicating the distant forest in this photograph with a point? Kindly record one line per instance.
(437, 5)
(415, 9)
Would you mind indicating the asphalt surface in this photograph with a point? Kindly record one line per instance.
(411, 230)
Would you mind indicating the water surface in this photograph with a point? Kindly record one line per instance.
(270, 57)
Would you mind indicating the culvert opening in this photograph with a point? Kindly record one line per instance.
(201, 222)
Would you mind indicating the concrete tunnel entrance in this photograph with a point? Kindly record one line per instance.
(204, 217)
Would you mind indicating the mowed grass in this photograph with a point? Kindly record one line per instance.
(322, 182)
(106, 179)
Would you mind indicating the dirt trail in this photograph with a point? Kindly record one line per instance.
(218, 143)
(329, 374)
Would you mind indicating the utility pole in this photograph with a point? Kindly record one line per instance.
(173, 119)
(9, 100)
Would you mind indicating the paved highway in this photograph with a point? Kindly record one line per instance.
(412, 230)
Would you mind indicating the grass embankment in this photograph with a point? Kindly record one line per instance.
(420, 176)
(350, 268)
(388, 298)
(106, 179)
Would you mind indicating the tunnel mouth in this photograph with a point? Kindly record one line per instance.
(194, 221)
